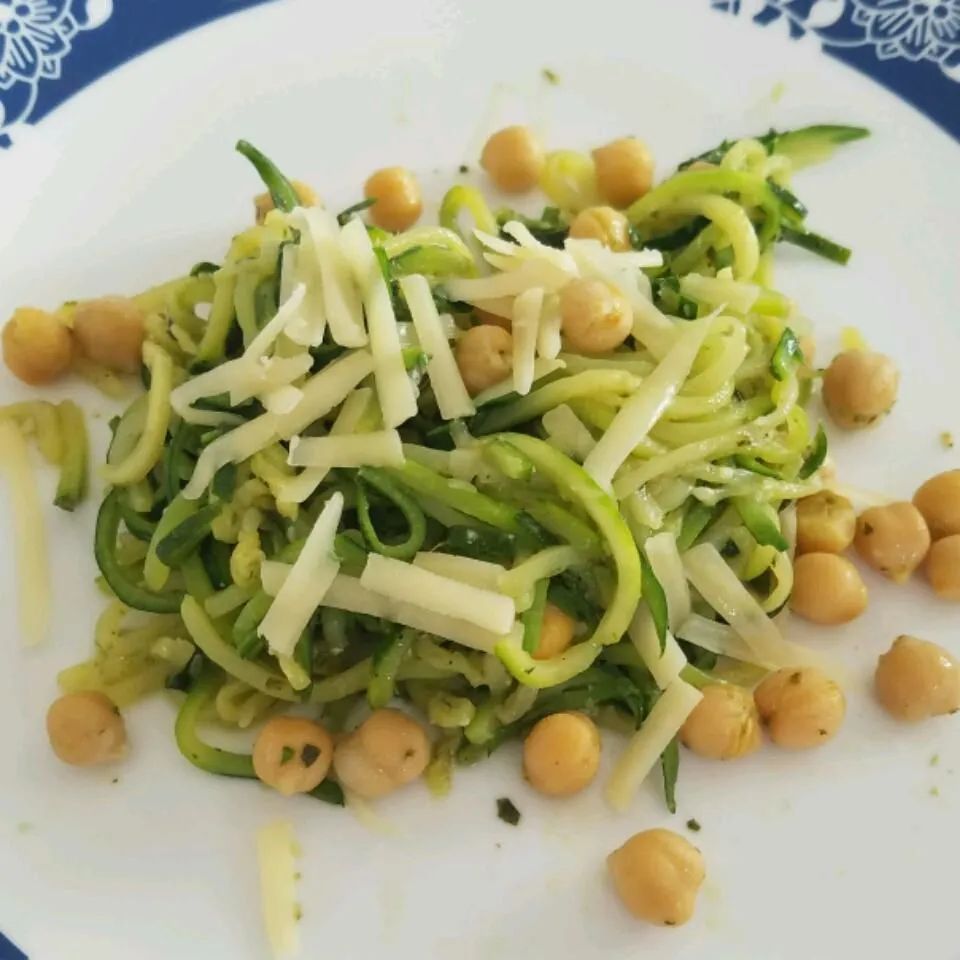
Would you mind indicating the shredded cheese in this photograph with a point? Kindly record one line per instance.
(341, 300)
(488, 609)
(348, 420)
(381, 448)
(566, 431)
(277, 852)
(247, 376)
(639, 414)
(664, 558)
(722, 590)
(322, 392)
(348, 593)
(526, 328)
(453, 400)
(29, 536)
(716, 637)
(665, 667)
(233, 447)
(548, 336)
(398, 402)
(478, 573)
(306, 584)
(664, 721)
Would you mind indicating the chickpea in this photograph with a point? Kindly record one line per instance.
(827, 589)
(893, 539)
(86, 728)
(594, 316)
(826, 523)
(556, 633)
(561, 754)
(916, 679)
(110, 332)
(658, 874)
(943, 567)
(624, 171)
(37, 346)
(859, 387)
(514, 159)
(801, 707)
(939, 502)
(484, 355)
(398, 200)
(292, 754)
(263, 202)
(724, 725)
(605, 224)
(387, 751)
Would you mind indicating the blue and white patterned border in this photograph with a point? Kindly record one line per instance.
(912, 47)
(51, 49)
(9, 951)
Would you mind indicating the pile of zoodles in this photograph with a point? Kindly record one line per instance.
(311, 504)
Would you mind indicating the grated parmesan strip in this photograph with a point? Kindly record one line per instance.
(29, 536)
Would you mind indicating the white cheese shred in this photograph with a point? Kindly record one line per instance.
(381, 448)
(325, 390)
(666, 666)
(664, 557)
(233, 447)
(29, 536)
(248, 375)
(277, 853)
(643, 751)
(340, 296)
(305, 586)
(526, 328)
(398, 401)
(487, 609)
(348, 420)
(548, 337)
(453, 400)
(568, 433)
(478, 573)
(347, 593)
(722, 590)
(636, 417)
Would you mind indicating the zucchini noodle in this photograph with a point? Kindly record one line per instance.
(149, 447)
(733, 220)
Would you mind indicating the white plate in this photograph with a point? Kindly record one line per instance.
(841, 852)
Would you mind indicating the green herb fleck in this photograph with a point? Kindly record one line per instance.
(297, 912)
(507, 812)
(115, 780)
(286, 755)
(934, 791)
(309, 754)
(463, 168)
(551, 76)
(935, 759)
(693, 825)
(946, 440)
